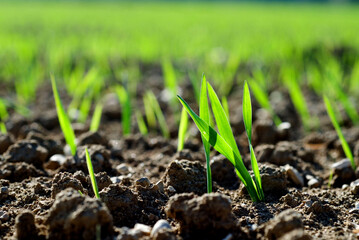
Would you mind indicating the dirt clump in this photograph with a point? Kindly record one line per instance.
(27, 151)
(5, 142)
(73, 216)
(283, 224)
(65, 180)
(206, 217)
(186, 176)
(25, 226)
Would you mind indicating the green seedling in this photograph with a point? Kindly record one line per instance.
(204, 114)
(225, 143)
(297, 97)
(92, 174)
(125, 101)
(263, 99)
(225, 106)
(141, 123)
(155, 110)
(4, 115)
(182, 130)
(64, 120)
(345, 145)
(96, 118)
(150, 114)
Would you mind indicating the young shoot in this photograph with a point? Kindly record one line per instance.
(124, 99)
(141, 123)
(225, 143)
(92, 174)
(345, 145)
(182, 129)
(96, 118)
(204, 113)
(64, 120)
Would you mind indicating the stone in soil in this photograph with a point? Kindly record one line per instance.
(186, 176)
(343, 173)
(294, 175)
(207, 216)
(73, 216)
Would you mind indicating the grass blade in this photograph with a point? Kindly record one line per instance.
(92, 174)
(222, 121)
(141, 123)
(159, 115)
(96, 118)
(247, 111)
(182, 129)
(346, 148)
(204, 114)
(225, 149)
(64, 121)
(125, 102)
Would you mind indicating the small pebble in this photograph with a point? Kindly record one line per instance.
(143, 228)
(115, 179)
(171, 189)
(294, 175)
(228, 237)
(123, 169)
(345, 163)
(160, 224)
(55, 161)
(355, 209)
(143, 182)
(354, 186)
(345, 186)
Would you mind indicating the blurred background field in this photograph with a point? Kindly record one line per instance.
(118, 42)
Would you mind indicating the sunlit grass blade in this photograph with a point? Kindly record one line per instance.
(92, 174)
(225, 149)
(204, 114)
(247, 118)
(225, 106)
(96, 118)
(345, 145)
(257, 176)
(3, 129)
(222, 121)
(125, 102)
(262, 97)
(64, 121)
(84, 109)
(141, 123)
(159, 114)
(247, 111)
(182, 129)
(150, 114)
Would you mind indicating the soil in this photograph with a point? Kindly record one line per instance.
(149, 190)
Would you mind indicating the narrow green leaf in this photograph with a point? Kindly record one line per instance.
(125, 102)
(96, 118)
(3, 129)
(150, 114)
(247, 111)
(257, 176)
(204, 114)
(225, 106)
(345, 145)
(182, 129)
(64, 121)
(92, 174)
(222, 121)
(159, 115)
(141, 123)
(225, 149)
